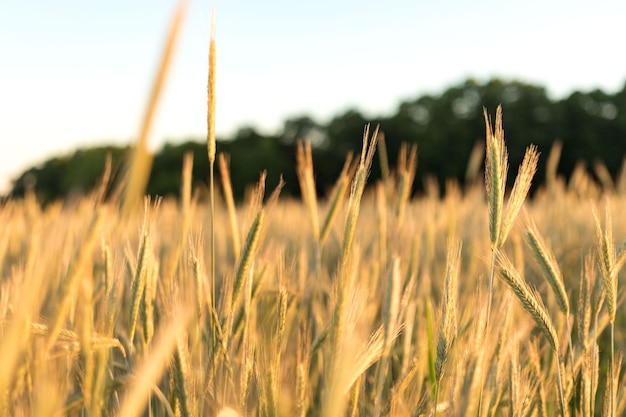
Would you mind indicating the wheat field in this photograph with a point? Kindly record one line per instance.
(368, 303)
(372, 302)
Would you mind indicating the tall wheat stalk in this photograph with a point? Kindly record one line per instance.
(140, 163)
(448, 325)
(501, 218)
(336, 400)
(211, 149)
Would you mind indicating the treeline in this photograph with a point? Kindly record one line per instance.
(445, 127)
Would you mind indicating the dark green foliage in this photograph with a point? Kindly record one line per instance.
(77, 173)
(445, 127)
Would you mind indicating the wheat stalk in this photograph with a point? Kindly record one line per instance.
(448, 325)
(141, 161)
(532, 303)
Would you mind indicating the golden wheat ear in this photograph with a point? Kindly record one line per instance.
(549, 266)
(521, 187)
(530, 299)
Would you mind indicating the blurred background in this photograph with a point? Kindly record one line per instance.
(75, 77)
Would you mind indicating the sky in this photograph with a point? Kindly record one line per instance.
(78, 73)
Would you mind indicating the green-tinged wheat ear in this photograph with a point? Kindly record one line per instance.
(448, 325)
(606, 258)
(530, 299)
(549, 266)
(230, 203)
(139, 282)
(496, 168)
(247, 255)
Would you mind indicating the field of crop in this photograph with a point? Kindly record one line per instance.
(478, 302)
(370, 303)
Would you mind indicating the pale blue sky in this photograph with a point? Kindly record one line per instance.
(77, 73)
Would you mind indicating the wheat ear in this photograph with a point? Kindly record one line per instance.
(530, 299)
(520, 190)
(496, 167)
(549, 266)
(448, 324)
(532, 303)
